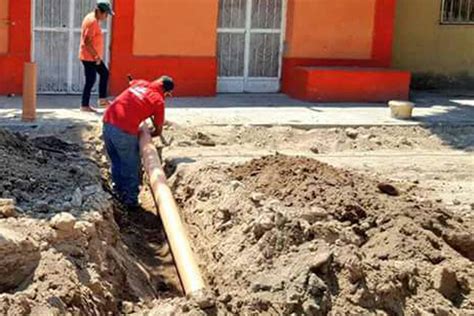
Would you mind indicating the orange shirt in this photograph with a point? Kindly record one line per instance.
(91, 28)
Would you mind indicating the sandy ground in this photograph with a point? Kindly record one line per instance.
(133, 271)
(440, 159)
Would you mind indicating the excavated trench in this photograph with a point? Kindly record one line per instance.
(143, 233)
(278, 235)
(65, 244)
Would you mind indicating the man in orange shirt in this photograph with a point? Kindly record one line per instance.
(91, 54)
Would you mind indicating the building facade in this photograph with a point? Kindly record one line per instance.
(208, 46)
(435, 41)
(212, 46)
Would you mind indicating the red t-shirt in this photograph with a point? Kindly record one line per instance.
(140, 101)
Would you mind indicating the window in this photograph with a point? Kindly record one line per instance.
(457, 12)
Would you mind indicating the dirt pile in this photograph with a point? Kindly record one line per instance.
(325, 140)
(275, 236)
(45, 175)
(61, 250)
(286, 235)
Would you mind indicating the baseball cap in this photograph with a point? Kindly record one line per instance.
(104, 5)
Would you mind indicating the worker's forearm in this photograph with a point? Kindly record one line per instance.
(91, 50)
(157, 131)
(155, 134)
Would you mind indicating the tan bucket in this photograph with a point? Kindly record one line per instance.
(401, 109)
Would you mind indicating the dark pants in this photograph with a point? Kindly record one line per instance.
(90, 70)
(124, 154)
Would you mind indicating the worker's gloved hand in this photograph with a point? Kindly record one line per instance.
(155, 133)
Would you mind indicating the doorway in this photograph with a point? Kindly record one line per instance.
(250, 45)
(56, 37)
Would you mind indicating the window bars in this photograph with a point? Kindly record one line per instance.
(457, 12)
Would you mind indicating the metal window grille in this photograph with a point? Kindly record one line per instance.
(457, 12)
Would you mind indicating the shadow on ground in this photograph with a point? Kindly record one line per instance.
(452, 119)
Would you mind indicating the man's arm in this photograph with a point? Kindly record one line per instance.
(158, 117)
(90, 48)
(88, 35)
(158, 129)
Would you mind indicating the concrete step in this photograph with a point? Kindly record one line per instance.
(348, 84)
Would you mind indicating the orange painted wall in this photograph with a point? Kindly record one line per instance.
(188, 28)
(195, 74)
(304, 45)
(335, 29)
(3, 26)
(11, 63)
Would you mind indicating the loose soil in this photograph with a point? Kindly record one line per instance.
(281, 235)
(66, 247)
(277, 230)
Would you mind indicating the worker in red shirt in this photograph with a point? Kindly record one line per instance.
(122, 119)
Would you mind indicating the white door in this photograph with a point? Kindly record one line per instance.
(56, 36)
(249, 47)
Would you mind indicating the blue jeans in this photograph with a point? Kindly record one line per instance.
(124, 153)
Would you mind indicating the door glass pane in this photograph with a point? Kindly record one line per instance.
(51, 52)
(52, 13)
(266, 14)
(264, 55)
(232, 13)
(231, 51)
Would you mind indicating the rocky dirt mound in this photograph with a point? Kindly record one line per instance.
(326, 140)
(283, 235)
(61, 250)
(275, 236)
(45, 175)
